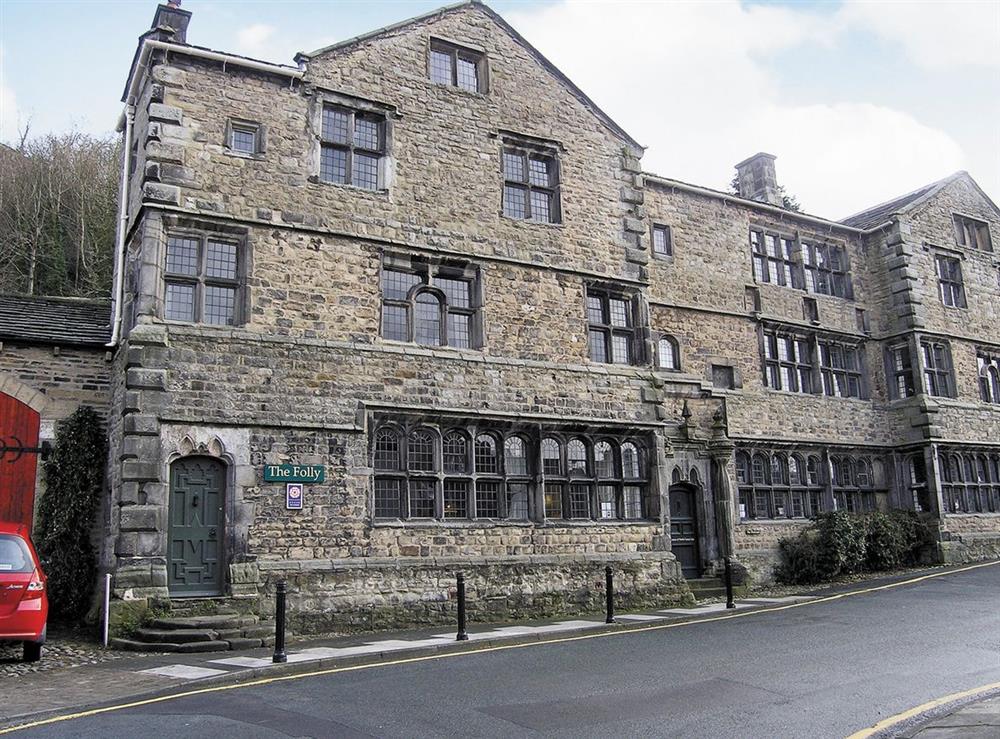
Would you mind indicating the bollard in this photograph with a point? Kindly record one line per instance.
(609, 593)
(279, 623)
(462, 636)
(730, 603)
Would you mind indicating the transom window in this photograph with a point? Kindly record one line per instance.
(774, 259)
(611, 327)
(840, 369)
(950, 288)
(900, 371)
(428, 304)
(989, 377)
(531, 186)
(430, 471)
(202, 280)
(352, 146)
(663, 245)
(971, 481)
(972, 233)
(779, 485)
(937, 369)
(816, 267)
(788, 361)
(457, 67)
(826, 270)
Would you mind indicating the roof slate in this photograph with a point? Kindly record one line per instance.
(879, 214)
(57, 321)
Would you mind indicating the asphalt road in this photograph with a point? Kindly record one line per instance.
(823, 670)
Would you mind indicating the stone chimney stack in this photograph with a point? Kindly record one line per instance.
(757, 180)
(171, 23)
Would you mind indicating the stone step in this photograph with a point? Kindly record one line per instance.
(130, 645)
(203, 646)
(216, 622)
(261, 631)
(241, 643)
(174, 636)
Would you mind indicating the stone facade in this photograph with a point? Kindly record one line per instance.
(306, 374)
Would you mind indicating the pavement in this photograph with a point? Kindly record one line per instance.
(979, 719)
(141, 679)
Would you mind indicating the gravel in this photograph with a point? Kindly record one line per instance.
(63, 648)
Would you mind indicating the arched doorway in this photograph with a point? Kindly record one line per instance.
(197, 497)
(684, 528)
(18, 431)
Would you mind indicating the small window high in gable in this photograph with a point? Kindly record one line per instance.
(972, 233)
(457, 66)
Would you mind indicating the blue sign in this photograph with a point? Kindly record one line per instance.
(293, 496)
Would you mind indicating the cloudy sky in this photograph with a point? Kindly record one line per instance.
(860, 101)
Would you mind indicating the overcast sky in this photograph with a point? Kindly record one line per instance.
(860, 101)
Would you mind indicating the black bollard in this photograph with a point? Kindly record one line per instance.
(279, 623)
(730, 603)
(462, 636)
(609, 595)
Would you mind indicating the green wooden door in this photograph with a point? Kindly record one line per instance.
(197, 495)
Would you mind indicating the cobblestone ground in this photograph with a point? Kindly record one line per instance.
(63, 648)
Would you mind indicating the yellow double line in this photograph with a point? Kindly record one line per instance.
(882, 725)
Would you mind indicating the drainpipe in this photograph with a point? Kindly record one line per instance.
(116, 321)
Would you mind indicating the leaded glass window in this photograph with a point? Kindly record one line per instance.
(202, 280)
(352, 144)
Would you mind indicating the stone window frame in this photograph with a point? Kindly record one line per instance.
(204, 232)
(531, 481)
(323, 99)
(428, 271)
(234, 125)
(788, 485)
(457, 52)
(951, 285)
(573, 486)
(667, 251)
(634, 333)
(795, 263)
(531, 148)
(972, 233)
(854, 482)
(988, 366)
(899, 370)
(806, 361)
(675, 353)
(937, 369)
(970, 481)
(723, 363)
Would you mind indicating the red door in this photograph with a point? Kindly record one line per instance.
(18, 428)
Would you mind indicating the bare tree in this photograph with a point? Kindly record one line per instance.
(57, 214)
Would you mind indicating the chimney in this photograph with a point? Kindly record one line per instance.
(171, 22)
(757, 180)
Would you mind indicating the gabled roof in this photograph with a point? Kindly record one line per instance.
(498, 19)
(884, 212)
(55, 321)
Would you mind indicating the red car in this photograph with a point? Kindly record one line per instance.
(24, 607)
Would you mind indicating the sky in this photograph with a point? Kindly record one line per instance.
(859, 101)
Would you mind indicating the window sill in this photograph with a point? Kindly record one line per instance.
(243, 155)
(480, 523)
(987, 514)
(818, 396)
(200, 324)
(773, 521)
(531, 222)
(481, 94)
(381, 192)
(473, 353)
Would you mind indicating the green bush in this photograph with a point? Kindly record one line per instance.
(74, 477)
(842, 543)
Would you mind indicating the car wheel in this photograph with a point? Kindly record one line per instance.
(32, 651)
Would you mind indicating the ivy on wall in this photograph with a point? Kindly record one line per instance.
(74, 478)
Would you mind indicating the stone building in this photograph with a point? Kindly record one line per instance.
(53, 359)
(413, 306)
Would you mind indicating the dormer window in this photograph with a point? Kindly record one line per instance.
(456, 66)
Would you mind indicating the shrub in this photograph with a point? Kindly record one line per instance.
(74, 476)
(844, 543)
